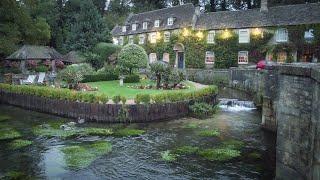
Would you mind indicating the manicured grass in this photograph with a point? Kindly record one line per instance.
(113, 88)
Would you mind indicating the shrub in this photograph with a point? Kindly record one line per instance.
(71, 75)
(201, 110)
(142, 98)
(132, 57)
(100, 77)
(133, 78)
(123, 100)
(159, 69)
(42, 68)
(102, 98)
(116, 99)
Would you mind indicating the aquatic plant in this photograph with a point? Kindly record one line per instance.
(191, 125)
(233, 144)
(219, 154)
(19, 143)
(254, 155)
(9, 133)
(15, 175)
(81, 156)
(186, 150)
(96, 131)
(4, 118)
(168, 156)
(53, 132)
(209, 133)
(201, 110)
(129, 132)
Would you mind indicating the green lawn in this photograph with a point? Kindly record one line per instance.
(113, 88)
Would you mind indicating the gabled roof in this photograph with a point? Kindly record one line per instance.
(183, 18)
(32, 52)
(275, 16)
(73, 57)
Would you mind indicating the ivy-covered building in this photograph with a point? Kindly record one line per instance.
(186, 37)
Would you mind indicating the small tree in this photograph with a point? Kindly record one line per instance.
(132, 57)
(71, 75)
(158, 69)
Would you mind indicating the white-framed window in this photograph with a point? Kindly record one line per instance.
(142, 38)
(121, 40)
(244, 35)
(157, 23)
(166, 36)
(124, 28)
(131, 39)
(152, 57)
(211, 37)
(115, 41)
(145, 25)
(166, 57)
(134, 27)
(281, 57)
(282, 35)
(209, 57)
(170, 21)
(243, 57)
(309, 35)
(153, 37)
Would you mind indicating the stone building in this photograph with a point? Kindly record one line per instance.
(187, 20)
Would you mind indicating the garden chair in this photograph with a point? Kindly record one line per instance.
(30, 80)
(41, 77)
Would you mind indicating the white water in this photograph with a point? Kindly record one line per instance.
(236, 105)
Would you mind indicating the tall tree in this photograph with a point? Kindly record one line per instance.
(88, 28)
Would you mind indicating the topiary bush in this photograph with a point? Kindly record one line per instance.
(132, 57)
(116, 99)
(142, 98)
(100, 77)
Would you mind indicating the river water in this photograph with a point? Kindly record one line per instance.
(139, 157)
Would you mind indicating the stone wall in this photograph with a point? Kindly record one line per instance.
(101, 112)
(298, 117)
(208, 76)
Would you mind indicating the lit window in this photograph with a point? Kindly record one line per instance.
(131, 39)
(166, 57)
(244, 36)
(308, 35)
(209, 57)
(121, 41)
(282, 35)
(153, 38)
(243, 57)
(166, 36)
(134, 27)
(124, 28)
(170, 21)
(141, 39)
(281, 57)
(211, 36)
(145, 25)
(152, 57)
(156, 23)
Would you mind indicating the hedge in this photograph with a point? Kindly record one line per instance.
(100, 77)
(70, 95)
(133, 78)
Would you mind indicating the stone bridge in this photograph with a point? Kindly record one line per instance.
(289, 95)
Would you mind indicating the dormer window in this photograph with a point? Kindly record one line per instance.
(124, 28)
(170, 21)
(134, 27)
(145, 25)
(282, 35)
(156, 23)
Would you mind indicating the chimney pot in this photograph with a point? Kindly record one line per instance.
(264, 6)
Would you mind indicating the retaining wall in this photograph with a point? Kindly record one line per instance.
(101, 112)
(207, 76)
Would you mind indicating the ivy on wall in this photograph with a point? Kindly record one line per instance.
(227, 46)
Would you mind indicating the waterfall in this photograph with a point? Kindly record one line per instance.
(236, 105)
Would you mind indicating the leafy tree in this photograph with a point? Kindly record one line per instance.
(105, 50)
(159, 69)
(132, 57)
(87, 30)
(94, 59)
(71, 75)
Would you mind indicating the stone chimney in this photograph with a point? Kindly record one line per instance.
(264, 6)
(195, 16)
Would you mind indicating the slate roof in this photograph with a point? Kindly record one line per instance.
(275, 16)
(32, 52)
(182, 14)
(73, 57)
